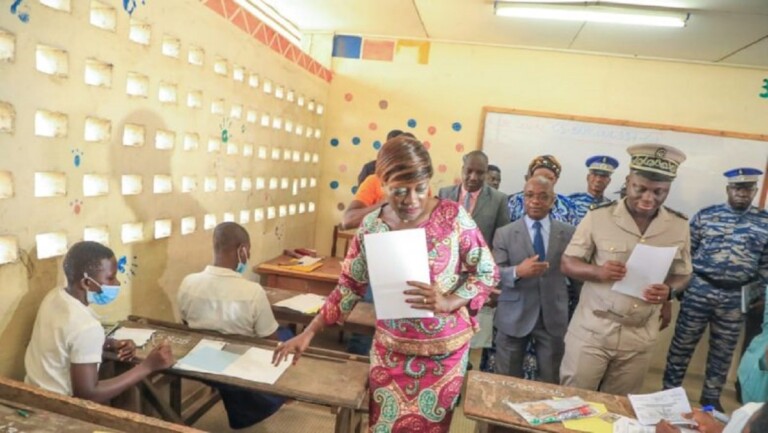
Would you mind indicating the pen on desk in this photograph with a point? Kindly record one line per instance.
(19, 410)
(723, 418)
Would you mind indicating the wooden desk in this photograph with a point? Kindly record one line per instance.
(485, 394)
(322, 377)
(321, 281)
(362, 319)
(51, 412)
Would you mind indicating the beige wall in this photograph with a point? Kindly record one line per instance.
(460, 79)
(160, 264)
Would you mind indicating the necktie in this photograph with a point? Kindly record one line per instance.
(466, 202)
(538, 240)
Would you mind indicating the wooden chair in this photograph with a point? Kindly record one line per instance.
(340, 234)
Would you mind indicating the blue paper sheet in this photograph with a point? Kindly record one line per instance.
(209, 359)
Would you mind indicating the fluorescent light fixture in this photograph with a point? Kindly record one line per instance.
(594, 12)
(273, 19)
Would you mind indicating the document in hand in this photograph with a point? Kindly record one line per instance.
(669, 405)
(140, 336)
(394, 258)
(647, 265)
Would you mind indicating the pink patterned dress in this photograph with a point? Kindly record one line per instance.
(418, 365)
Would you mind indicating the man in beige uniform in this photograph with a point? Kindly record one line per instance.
(610, 339)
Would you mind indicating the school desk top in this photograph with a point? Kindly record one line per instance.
(321, 376)
(321, 281)
(361, 320)
(55, 413)
(485, 394)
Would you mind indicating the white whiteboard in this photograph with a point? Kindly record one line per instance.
(511, 140)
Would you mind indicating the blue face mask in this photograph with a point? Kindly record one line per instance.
(107, 295)
(241, 266)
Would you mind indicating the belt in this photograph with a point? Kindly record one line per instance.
(724, 284)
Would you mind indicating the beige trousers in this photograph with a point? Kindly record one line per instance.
(589, 366)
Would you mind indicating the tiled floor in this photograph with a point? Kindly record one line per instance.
(301, 417)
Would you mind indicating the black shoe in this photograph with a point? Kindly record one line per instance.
(715, 403)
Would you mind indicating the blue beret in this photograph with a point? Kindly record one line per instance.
(602, 163)
(742, 175)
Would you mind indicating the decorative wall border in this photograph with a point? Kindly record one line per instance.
(267, 36)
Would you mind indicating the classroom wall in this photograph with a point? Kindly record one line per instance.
(256, 170)
(443, 100)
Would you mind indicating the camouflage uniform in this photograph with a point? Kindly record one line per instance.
(563, 209)
(583, 202)
(729, 250)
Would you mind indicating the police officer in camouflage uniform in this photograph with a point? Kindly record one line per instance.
(601, 167)
(729, 246)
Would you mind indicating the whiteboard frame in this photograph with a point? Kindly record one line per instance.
(630, 123)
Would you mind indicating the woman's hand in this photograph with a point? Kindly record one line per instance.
(427, 297)
(296, 345)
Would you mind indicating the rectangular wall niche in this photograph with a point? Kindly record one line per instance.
(97, 73)
(97, 130)
(98, 234)
(132, 232)
(51, 244)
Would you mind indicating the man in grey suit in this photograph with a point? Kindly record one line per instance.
(534, 293)
(487, 206)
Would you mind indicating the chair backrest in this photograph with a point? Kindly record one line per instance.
(341, 234)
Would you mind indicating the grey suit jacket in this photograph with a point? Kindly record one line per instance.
(521, 301)
(490, 211)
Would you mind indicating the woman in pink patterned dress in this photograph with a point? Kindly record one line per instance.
(417, 365)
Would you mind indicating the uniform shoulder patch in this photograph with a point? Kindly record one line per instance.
(676, 213)
(602, 205)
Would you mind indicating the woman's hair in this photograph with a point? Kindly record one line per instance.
(403, 159)
(84, 257)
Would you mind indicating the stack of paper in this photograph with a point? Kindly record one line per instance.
(668, 405)
(140, 336)
(549, 411)
(307, 303)
(255, 364)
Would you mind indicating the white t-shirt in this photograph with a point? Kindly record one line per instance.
(740, 417)
(221, 299)
(66, 332)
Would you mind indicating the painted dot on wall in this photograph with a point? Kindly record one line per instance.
(348, 97)
(342, 168)
(334, 142)
(411, 123)
(354, 189)
(340, 206)
(355, 140)
(373, 126)
(426, 144)
(383, 104)
(431, 130)
(334, 184)
(459, 147)
(377, 144)
(442, 168)
(456, 126)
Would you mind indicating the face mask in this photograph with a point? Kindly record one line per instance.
(241, 266)
(107, 295)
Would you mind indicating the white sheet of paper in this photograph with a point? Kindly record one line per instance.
(646, 265)
(669, 405)
(256, 365)
(394, 258)
(308, 261)
(304, 303)
(140, 336)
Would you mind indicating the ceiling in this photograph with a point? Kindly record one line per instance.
(730, 32)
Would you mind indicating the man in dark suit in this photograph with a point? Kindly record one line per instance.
(534, 293)
(487, 206)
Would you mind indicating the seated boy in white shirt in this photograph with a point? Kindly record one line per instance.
(220, 299)
(67, 341)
